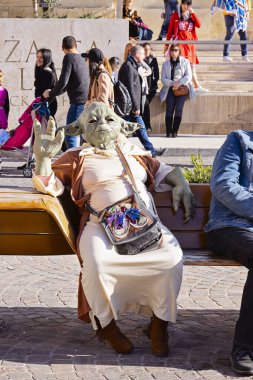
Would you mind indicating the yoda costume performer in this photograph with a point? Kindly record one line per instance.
(111, 284)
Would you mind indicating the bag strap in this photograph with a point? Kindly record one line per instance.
(129, 173)
(126, 167)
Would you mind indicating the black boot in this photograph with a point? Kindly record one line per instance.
(168, 123)
(242, 360)
(176, 125)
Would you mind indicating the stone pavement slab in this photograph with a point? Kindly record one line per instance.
(42, 339)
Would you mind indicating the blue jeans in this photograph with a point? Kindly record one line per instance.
(230, 30)
(142, 133)
(170, 8)
(74, 112)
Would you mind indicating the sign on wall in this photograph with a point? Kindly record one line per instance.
(20, 39)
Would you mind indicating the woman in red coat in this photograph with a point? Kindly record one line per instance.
(182, 28)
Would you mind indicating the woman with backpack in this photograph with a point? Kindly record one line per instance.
(101, 86)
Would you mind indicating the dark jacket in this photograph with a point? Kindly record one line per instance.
(45, 79)
(129, 76)
(154, 77)
(74, 79)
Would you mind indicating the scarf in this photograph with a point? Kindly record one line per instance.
(238, 7)
(173, 67)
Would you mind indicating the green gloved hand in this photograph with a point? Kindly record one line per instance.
(46, 146)
(181, 192)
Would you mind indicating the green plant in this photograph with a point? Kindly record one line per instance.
(199, 173)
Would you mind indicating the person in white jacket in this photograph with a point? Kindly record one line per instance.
(176, 72)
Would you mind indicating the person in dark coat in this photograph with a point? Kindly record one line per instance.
(152, 80)
(131, 78)
(74, 80)
(45, 76)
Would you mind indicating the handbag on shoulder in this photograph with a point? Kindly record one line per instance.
(129, 225)
(182, 90)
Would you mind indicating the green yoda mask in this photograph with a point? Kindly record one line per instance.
(100, 126)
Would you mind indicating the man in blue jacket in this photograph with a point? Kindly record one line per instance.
(230, 230)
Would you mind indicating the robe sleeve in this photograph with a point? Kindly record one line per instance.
(60, 177)
(161, 174)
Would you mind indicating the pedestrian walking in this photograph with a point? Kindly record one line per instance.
(74, 79)
(236, 20)
(170, 7)
(152, 81)
(101, 85)
(45, 76)
(133, 81)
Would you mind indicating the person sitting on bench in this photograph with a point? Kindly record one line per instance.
(147, 283)
(230, 230)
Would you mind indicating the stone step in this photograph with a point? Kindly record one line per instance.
(225, 75)
(210, 113)
(229, 86)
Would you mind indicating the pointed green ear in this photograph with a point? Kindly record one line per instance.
(128, 128)
(73, 129)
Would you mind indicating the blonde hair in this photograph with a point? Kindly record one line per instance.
(107, 66)
(1, 76)
(128, 48)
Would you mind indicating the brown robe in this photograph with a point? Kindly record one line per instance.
(69, 170)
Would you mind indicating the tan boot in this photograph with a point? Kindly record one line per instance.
(159, 336)
(117, 340)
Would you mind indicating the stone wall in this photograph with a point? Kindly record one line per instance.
(20, 38)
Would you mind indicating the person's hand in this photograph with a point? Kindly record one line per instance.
(46, 146)
(190, 9)
(133, 21)
(181, 193)
(137, 113)
(176, 84)
(46, 94)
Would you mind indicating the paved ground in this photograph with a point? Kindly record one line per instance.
(41, 338)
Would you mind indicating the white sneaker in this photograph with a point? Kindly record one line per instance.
(227, 59)
(202, 89)
(245, 58)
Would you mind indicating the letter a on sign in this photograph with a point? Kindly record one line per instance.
(33, 46)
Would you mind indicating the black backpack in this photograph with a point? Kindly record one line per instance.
(122, 101)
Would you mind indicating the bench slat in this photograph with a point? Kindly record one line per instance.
(206, 258)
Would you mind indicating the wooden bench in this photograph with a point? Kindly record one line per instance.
(36, 224)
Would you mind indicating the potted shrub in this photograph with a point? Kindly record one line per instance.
(199, 178)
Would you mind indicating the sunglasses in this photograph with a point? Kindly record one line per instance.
(176, 50)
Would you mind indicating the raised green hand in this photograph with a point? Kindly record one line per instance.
(46, 146)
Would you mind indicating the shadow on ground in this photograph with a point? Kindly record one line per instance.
(200, 341)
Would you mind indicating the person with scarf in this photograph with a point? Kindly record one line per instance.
(236, 16)
(175, 72)
(152, 82)
(182, 27)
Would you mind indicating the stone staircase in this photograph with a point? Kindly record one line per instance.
(229, 103)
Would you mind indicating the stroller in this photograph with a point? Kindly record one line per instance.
(13, 141)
